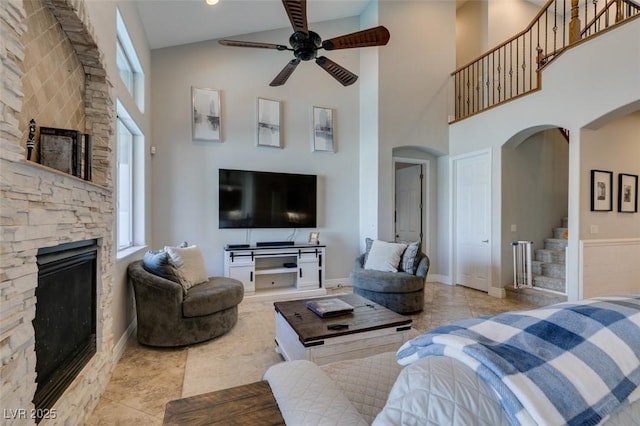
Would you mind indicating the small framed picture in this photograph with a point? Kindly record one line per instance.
(627, 193)
(323, 137)
(268, 126)
(601, 186)
(205, 109)
(314, 237)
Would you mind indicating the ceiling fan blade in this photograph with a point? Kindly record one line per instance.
(378, 36)
(285, 73)
(344, 76)
(297, 12)
(237, 43)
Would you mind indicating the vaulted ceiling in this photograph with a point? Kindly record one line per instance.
(175, 22)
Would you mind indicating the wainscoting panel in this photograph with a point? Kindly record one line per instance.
(609, 267)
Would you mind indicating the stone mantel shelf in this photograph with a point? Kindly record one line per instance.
(39, 166)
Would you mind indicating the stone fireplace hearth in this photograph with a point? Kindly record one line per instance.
(43, 208)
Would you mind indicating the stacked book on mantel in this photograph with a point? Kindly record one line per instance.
(66, 150)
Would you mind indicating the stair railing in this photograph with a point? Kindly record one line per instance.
(606, 16)
(512, 69)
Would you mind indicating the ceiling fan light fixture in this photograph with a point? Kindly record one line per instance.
(305, 45)
(211, 2)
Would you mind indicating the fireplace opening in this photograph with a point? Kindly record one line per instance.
(65, 321)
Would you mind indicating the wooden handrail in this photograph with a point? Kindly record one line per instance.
(512, 68)
(515, 37)
(605, 9)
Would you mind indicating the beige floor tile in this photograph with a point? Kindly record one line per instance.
(145, 379)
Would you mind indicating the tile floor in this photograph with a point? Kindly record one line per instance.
(145, 379)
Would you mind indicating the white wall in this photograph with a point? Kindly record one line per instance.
(413, 86)
(431, 203)
(614, 147)
(508, 17)
(103, 19)
(443, 228)
(535, 190)
(369, 130)
(185, 172)
(471, 31)
(574, 95)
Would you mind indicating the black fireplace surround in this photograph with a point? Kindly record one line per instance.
(65, 321)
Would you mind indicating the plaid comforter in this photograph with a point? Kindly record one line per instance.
(570, 363)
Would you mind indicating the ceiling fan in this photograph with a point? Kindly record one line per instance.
(305, 45)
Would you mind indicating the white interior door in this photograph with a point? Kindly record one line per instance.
(409, 203)
(473, 221)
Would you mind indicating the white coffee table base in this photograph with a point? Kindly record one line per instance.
(350, 346)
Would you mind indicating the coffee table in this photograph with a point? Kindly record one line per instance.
(371, 329)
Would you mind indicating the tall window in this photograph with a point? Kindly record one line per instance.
(130, 144)
(125, 186)
(124, 67)
(128, 63)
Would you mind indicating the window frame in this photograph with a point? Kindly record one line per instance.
(124, 45)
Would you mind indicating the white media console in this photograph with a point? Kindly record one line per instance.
(278, 272)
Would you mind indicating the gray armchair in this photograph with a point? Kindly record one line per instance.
(402, 292)
(169, 317)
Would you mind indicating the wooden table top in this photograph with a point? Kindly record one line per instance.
(251, 404)
(366, 316)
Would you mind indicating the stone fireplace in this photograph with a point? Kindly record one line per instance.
(43, 208)
(65, 321)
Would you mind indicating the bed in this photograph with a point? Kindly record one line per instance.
(441, 378)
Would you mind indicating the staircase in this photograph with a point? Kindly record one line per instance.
(513, 68)
(548, 270)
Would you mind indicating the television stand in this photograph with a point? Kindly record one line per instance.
(277, 272)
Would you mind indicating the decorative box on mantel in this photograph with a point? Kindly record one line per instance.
(66, 150)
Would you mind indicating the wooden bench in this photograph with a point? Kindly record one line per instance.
(251, 404)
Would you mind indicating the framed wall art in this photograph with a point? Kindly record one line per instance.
(601, 187)
(323, 137)
(205, 108)
(268, 130)
(627, 193)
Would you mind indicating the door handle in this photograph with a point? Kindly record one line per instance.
(485, 241)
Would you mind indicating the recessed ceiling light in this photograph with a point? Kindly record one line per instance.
(211, 2)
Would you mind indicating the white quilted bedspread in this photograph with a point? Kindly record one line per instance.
(306, 396)
(366, 382)
(439, 391)
(433, 391)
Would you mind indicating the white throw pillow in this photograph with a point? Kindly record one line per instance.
(190, 263)
(384, 256)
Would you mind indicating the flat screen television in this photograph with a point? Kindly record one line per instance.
(252, 199)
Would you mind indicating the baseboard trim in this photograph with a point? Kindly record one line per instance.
(342, 282)
(337, 282)
(120, 347)
(498, 292)
(442, 279)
